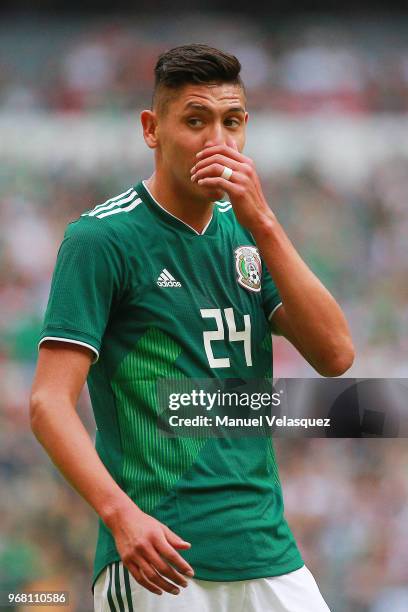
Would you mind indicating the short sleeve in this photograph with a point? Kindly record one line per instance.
(87, 283)
(271, 298)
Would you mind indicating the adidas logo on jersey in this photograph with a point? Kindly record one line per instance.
(167, 280)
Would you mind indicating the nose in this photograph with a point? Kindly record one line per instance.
(215, 136)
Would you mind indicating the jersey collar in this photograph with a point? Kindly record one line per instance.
(143, 191)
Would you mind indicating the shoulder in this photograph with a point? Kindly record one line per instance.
(228, 220)
(108, 220)
(116, 211)
(225, 213)
(222, 207)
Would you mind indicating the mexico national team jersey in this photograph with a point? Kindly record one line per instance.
(155, 300)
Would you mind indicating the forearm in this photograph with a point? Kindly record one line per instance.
(146, 547)
(315, 318)
(310, 319)
(65, 439)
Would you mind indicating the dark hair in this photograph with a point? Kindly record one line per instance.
(195, 63)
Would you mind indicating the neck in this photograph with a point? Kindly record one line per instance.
(192, 211)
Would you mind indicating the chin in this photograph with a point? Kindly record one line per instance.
(211, 194)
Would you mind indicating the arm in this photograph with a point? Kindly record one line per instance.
(141, 540)
(309, 318)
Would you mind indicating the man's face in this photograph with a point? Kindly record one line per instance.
(198, 116)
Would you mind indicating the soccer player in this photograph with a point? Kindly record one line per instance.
(171, 280)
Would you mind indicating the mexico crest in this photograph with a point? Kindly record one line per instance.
(249, 267)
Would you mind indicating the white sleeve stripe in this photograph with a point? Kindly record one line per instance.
(274, 310)
(69, 340)
(115, 211)
(119, 197)
(129, 198)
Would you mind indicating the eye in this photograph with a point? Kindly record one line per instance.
(195, 122)
(232, 122)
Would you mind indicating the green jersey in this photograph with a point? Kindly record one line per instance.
(154, 299)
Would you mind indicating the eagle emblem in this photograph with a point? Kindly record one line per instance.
(249, 267)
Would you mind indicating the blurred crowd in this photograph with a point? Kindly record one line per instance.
(346, 499)
(353, 67)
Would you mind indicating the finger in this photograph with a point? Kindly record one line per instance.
(233, 188)
(142, 580)
(223, 150)
(165, 569)
(167, 551)
(175, 540)
(212, 170)
(222, 160)
(153, 577)
(166, 585)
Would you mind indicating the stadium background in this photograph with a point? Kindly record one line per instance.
(328, 96)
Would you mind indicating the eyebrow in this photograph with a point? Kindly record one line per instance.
(203, 108)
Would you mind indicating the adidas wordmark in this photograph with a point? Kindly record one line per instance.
(167, 280)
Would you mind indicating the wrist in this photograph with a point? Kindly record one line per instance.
(263, 226)
(113, 509)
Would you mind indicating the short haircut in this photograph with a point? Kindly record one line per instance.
(192, 64)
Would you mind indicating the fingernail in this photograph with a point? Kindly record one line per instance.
(193, 177)
(190, 573)
(200, 181)
(175, 591)
(199, 154)
(192, 170)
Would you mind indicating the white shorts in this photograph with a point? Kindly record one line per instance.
(117, 591)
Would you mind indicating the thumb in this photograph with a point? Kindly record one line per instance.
(175, 540)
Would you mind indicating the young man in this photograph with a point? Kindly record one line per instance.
(167, 281)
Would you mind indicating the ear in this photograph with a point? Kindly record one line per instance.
(149, 123)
